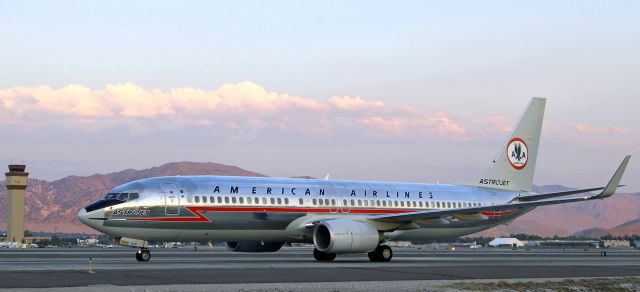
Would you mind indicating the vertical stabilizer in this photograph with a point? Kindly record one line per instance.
(514, 165)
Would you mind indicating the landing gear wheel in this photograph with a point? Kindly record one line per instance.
(143, 255)
(323, 256)
(382, 253)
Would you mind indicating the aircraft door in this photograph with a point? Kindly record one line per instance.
(171, 199)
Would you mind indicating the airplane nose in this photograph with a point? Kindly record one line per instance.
(82, 216)
(93, 222)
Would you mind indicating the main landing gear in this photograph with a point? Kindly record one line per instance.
(323, 256)
(382, 253)
(143, 255)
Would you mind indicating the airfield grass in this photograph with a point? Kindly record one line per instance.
(583, 285)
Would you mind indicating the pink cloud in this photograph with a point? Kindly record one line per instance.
(354, 103)
(243, 105)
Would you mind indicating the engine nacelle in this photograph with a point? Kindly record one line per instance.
(345, 236)
(254, 246)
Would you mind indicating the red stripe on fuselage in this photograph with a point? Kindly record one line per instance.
(201, 218)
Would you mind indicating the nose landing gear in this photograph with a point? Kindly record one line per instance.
(143, 255)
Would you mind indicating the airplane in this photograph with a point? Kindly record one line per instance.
(258, 214)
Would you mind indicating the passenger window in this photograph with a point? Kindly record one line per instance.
(377, 203)
(353, 203)
(264, 201)
(301, 202)
(279, 201)
(314, 201)
(197, 199)
(212, 199)
(448, 205)
(204, 199)
(273, 201)
(256, 201)
(233, 200)
(366, 203)
(344, 202)
(437, 204)
(401, 203)
(219, 200)
(249, 200)
(133, 196)
(333, 202)
(226, 200)
(395, 203)
(286, 201)
(420, 204)
(384, 203)
(241, 200)
(321, 202)
(326, 202)
(359, 202)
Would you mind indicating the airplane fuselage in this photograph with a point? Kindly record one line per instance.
(184, 208)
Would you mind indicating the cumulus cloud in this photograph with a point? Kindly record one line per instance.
(354, 103)
(244, 105)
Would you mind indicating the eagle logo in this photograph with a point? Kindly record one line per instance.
(517, 153)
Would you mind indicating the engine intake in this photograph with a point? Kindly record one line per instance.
(254, 246)
(345, 236)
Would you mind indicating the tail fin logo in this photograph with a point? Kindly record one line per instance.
(517, 153)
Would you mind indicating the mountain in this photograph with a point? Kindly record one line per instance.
(52, 206)
(628, 228)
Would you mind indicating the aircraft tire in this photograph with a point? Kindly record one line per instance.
(382, 253)
(322, 256)
(143, 255)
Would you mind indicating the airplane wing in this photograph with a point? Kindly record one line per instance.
(538, 197)
(607, 191)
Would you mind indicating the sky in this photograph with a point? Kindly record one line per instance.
(419, 91)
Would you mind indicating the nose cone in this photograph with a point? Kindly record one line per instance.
(91, 219)
(82, 216)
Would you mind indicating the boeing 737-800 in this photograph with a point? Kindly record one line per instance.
(256, 214)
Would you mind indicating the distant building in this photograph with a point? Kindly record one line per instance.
(569, 244)
(615, 243)
(87, 242)
(506, 242)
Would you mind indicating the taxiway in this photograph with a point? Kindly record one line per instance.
(44, 268)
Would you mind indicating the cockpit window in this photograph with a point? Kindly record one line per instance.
(123, 196)
(111, 196)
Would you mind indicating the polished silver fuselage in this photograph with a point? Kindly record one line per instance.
(222, 208)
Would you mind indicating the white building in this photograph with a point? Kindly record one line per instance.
(506, 242)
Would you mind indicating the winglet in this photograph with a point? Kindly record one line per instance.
(611, 187)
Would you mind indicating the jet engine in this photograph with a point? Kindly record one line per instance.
(254, 246)
(345, 236)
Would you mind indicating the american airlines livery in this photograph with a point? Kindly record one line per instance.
(256, 214)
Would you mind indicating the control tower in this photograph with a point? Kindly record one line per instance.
(16, 185)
